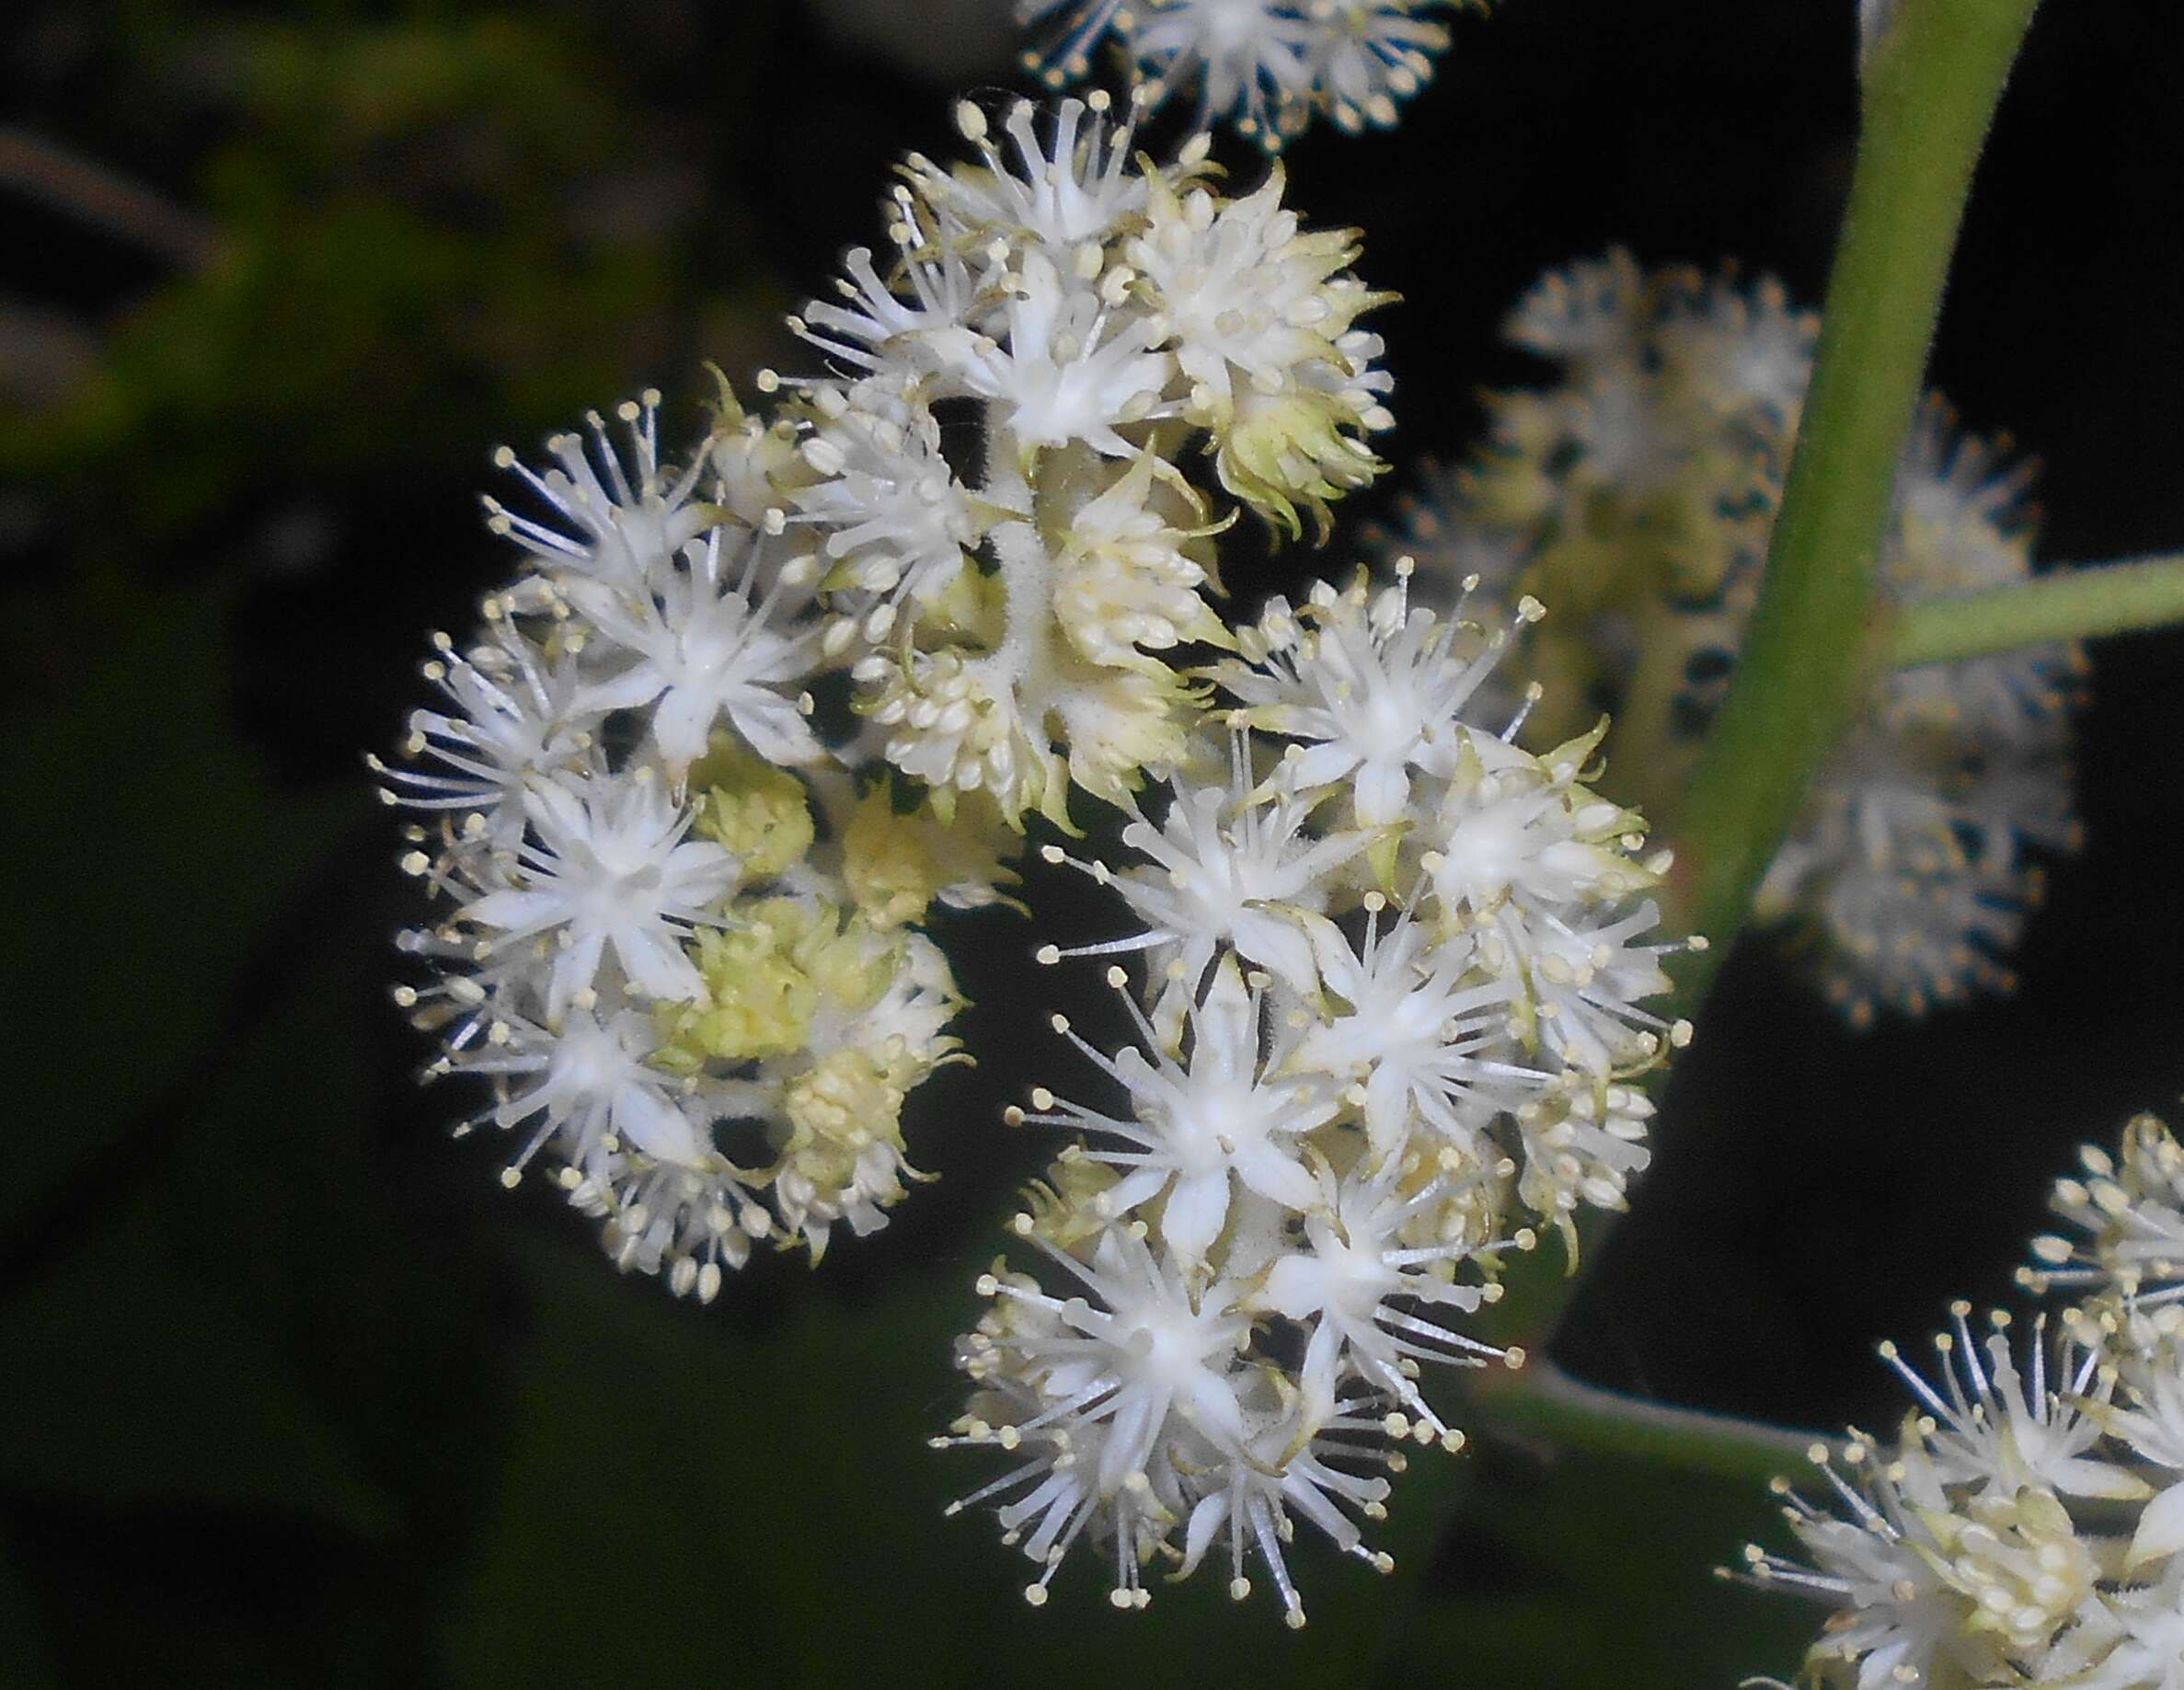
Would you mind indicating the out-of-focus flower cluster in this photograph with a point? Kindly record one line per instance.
(1267, 66)
(1637, 495)
(1390, 1008)
(2026, 1525)
(679, 931)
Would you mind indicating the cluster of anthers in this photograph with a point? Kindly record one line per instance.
(1389, 1008)
(680, 924)
(2026, 1525)
(1268, 66)
(1637, 496)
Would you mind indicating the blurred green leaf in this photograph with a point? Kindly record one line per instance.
(130, 1383)
(767, 1502)
(1589, 1571)
(770, 1502)
(145, 854)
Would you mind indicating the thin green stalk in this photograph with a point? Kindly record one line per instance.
(1542, 1399)
(2080, 603)
(1933, 79)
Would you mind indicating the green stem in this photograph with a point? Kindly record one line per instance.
(2080, 603)
(1543, 1400)
(1931, 81)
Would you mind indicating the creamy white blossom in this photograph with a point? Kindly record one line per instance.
(2025, 1527)
(1267, 66)
(1384, 1045)
(1642, 486)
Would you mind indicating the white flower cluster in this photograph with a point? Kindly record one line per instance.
(1395, 976)
(1637, 496)
(2027, 1525)
(704, 1013)
(1269, 66)
(1093, 318)
(678, 937)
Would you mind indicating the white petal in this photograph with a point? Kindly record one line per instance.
(1195, 1209)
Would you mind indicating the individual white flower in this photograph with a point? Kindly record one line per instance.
(1251, 299)
(1370, 55)
(1199, 1125)
(1127, 583)
(1249, 57)
(948, 724)
(884, 325)
(1522, 831)
(1355, 1277)
(1910, 874)
(515, 714)
(1077, 27)
(1899, 1617)
(1997, 1431)
(1225, 868)
(1296, 1459)
(712, 639)
(617, 526)
(1074, 186)
(1586, 984)
(1590, 312)
(1426, 1034)
(1265, 65)
(2131, 1209)
(1581, 1142)
(611, 868)
(1093, 1391)
(587, 1083)
(1368, 686)
(1065, 364)
(1738, 351)
(690, 1216)
(893, 517)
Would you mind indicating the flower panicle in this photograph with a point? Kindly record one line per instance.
(680, 906)
(1637, 494)
(2024, 1526)
(1392, 980)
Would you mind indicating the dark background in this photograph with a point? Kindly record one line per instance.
(291, 1392)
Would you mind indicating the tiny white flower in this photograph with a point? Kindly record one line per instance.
(1355, 1277)
(1296, 1459)
(1369, 688)
(619, 526)
(1201, 1123)
(1074, 187)
(1105, 1382)
(1996, 1430)
(515, 714)
(1225, 868)
(610, 870)
(701, 640)
(1427, 1037)
(1066, 366)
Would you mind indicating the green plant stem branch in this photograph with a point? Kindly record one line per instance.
(1542, 1401)
(2069, 604)
(1933, 79)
